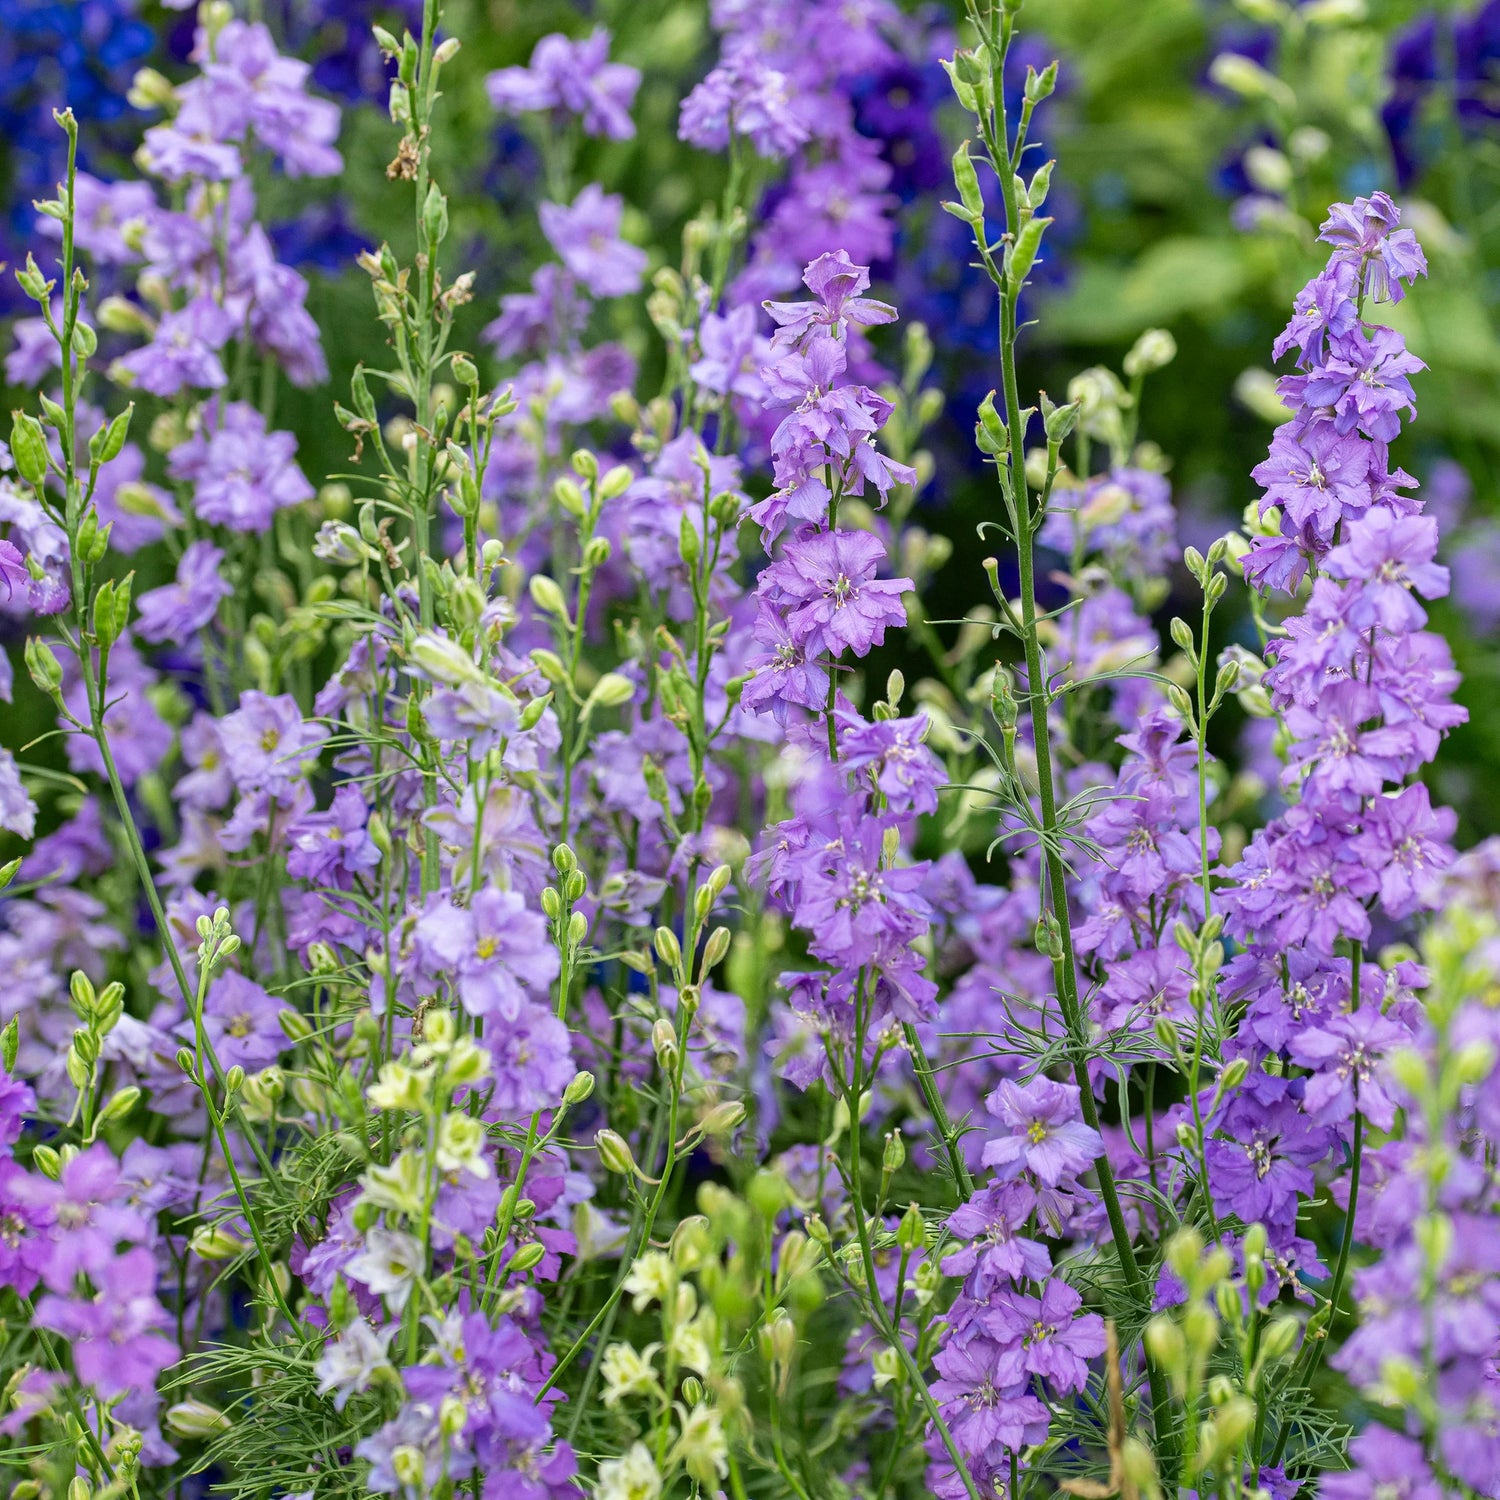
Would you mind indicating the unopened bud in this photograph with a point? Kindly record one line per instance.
(614, 1153)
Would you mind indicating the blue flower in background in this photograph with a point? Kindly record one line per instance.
(1436, 55)
(83, 53)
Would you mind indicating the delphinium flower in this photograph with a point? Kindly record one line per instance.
(1005, 1345)
(568, 80)
(1359, 723)
(783, 84)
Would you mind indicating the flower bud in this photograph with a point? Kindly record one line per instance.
(723, 1118)
(894, 1155)
(668, 950)
(715, 949)
(579, 1089)
(1279, 1337)
(911, 1232)
(1153, 350)
(614, 1153)
(547, 596)
(1166, 1346)
(195, 1419)
(527, 1257)
(213, 1242)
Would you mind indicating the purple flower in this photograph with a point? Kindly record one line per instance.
(1390, 556)
(241, 474)
(586, 236)
(1324, 307)
(732, 353)
(1364, 234)
(1044, 1134)
(839, 286)
(784, 674)
(115, 1336)
(87, 1216)
(1261, 1153)
(858, 911)
(1387, 1466)
(495, 950)
(16, 1101)
(1408, 841)
(178, 610)
(1346, 1054)
(1315, 474)
(1363, 381)
(571, 78)
(745, 96)
(241, 1022)
(1045, 1335)
(25, 1223)
(979, 1408)
(268, 746)
(906, 772)
(993, 1221)
(327, 848)
(834, 601)
(531, 1060)
(183, 355)
(17, 810)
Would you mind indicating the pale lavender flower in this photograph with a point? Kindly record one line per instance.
(586, 235)
(177, 611)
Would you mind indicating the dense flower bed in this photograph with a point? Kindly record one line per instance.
(539, 961)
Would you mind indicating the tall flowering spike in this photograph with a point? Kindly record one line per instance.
(1360, 719)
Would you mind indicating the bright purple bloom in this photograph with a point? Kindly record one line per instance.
(325, 848)
(268, 746)
(1346, 1054)
(1408, 841)
(980, 1409)
(1387, 1466)
(1045, 1336)
(495, 950)
(834, 601)
(17, 810)
(748, 98)
(184, 353)
(1044, 1134)
(87, 1215)
(115, 1336)
(998, 1252)
(1391, 556)
(1324, 307)
(906, 772)
(1364, 382)
(839, 286)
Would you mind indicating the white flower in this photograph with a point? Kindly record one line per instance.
(651, 1279)
(691, 1344)
(633, 1477)
(460, 1145)
(628, 1372)
(349, 1362)
(701, 1446)
(388, 1266)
